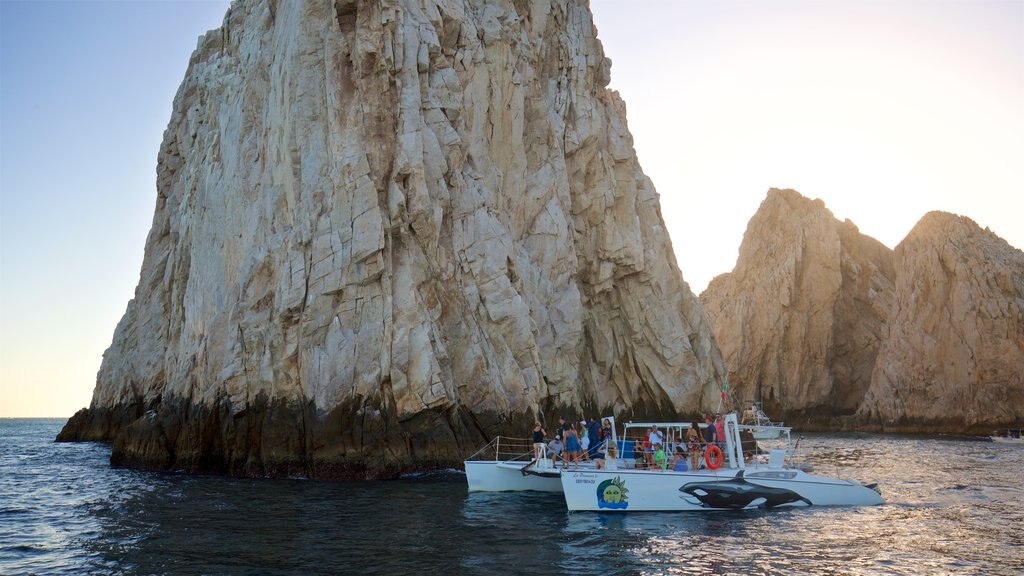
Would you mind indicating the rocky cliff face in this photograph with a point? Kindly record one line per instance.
(387, 231)
(800, 319)
(830, 328)
(953, 357)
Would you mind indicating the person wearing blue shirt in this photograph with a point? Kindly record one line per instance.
(679, 460)
(710, 433)
(594, 432)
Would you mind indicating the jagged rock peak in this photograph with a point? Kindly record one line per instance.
(799, 318)
(831, 329)
(387, 231)
(957, 228)
(953, 358)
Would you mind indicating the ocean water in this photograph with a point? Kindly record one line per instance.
(954, 506)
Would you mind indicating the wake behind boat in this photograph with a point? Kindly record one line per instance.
(728, 482)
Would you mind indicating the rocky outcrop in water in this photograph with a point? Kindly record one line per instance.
(387, 231)
(801, 317)
(831, 329)
(953, 356)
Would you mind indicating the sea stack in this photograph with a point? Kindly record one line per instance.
(831, 329)
(953, 356)
(386, 232)
(801, 317)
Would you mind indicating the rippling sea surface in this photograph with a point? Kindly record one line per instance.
(954, 506)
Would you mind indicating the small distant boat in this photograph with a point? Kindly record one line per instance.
(760, 425)
(1009, 436)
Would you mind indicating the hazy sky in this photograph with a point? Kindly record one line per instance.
(883, 109)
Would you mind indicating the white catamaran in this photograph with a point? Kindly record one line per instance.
(508, 464)
(728, 482)
(740, 476)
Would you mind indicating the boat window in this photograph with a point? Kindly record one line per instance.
(776, 475)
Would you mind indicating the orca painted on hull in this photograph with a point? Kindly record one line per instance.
(736, 494)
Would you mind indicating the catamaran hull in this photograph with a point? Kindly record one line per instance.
(497, 476)
(729, 489)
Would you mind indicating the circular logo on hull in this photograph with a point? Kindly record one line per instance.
(612, 494)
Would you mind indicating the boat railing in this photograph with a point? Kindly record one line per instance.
(776, 452)
(506, 449)
(754, 452)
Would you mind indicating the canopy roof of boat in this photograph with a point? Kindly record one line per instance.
(660, 424)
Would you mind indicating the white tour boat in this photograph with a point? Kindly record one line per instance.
(508, 464)
(728, 482)
(763, 428)
(1009, 436)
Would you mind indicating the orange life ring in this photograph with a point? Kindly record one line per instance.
(713, 457)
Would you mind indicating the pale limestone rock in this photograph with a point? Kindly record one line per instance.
(832, 329)
(412, 223)
(953, 358)
(800, 318)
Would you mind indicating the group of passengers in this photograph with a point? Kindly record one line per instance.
(589, 440)
(650, 452)
(572, 444)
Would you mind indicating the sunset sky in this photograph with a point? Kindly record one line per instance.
(883, 109)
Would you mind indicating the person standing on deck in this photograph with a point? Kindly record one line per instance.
(594, 432)
(655, 437)
(584, 441)
(572, 447)
(694, 445)
(710, 432)
(538, 440)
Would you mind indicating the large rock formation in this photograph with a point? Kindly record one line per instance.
(386, 231)
(829, 328)
(800, 319)
(953, 357)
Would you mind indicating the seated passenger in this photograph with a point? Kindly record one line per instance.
(640, 453)
(660, 460)
(612, 456)
(749, 445)
(679, 460)
(555, 448)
